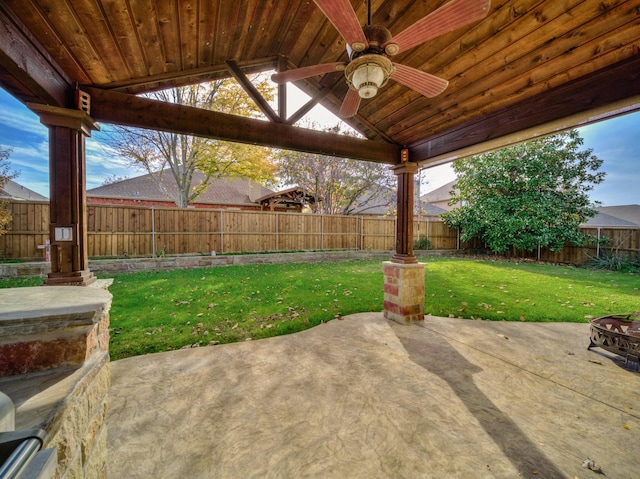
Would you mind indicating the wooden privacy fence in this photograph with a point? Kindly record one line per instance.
(119, 231)
(624, 242)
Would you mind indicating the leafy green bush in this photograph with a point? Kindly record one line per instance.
(612, 260)
(422, 243)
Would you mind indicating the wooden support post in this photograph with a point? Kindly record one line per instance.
(67, 186)
(404, 285)
(404, 226)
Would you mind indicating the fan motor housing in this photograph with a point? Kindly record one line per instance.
(377, 36)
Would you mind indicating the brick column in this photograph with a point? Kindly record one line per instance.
(404, 292)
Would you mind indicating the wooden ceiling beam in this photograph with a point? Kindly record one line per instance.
(130, 110)
(252, 91)
(28, 63)
(601, 91)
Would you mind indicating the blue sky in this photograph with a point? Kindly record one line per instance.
(616, 141)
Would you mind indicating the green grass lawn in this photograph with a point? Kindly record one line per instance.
(164, 310)
(500, 290)
(158, 311)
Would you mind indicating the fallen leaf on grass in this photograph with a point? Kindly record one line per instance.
(595, 361)
(503, 336)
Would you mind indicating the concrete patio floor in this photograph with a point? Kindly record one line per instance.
(366, 398)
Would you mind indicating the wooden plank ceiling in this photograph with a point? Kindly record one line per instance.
(528, 63)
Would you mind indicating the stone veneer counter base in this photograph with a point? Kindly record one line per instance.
(54, 365)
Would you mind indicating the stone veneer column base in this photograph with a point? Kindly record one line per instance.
(404, 292)
(54, 365)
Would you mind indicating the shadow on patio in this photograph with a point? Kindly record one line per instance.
(364, 397)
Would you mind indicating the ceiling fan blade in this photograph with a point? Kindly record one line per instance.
(424, 83)
(342, 16)
(306, 72)
(448, 17)
(350, 104)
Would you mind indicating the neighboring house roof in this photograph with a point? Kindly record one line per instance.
(384, 202)
(429, 209)
(228, 191)
(439, 194)
(603, 219)
(630, 213)
(379, 202)
(15, 191)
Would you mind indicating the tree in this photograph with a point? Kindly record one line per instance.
(343, 185)
(163, 153)
(111, 179)
(6, 174)
(528, 195)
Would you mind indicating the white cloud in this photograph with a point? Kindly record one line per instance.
(22, 119)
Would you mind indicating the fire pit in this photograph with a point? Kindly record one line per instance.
(619, 334)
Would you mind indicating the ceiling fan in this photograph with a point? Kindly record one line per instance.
(369, 67)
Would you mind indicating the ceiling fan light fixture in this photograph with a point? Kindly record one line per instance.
(367, 79)
(368, 73)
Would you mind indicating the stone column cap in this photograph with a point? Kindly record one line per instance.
(39, 309)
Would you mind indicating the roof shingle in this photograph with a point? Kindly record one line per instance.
(231, 191)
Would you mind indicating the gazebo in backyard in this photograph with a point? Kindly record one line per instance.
(499, 73)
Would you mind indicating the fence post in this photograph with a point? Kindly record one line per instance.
(322, 232)
(153, 232)
(395, 229)
(277, 232)
(457, 238)
(598, 244)
(221, 232)
(428, 224)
